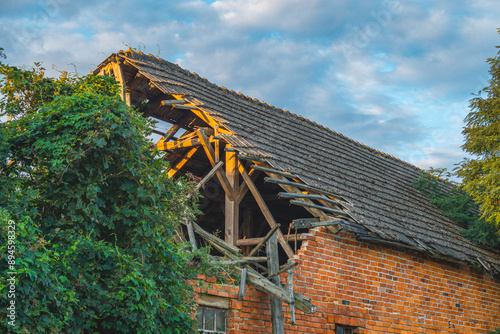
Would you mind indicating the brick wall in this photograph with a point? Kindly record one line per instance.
(378, 289)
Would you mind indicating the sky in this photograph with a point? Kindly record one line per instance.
(394, 75)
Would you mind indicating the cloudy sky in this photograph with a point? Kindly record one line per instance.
(395, 75)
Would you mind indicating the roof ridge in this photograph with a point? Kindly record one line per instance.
(263, 103)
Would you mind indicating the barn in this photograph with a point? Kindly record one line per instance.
(326, 234)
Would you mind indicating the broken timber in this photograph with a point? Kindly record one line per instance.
(253, 278)
(265, 210)
(305, 187)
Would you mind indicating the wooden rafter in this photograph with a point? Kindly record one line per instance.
(202, 115)
(291, 189)
(265, 210)
(255, 241)
(177, 144)
(209, 175)
(173, 129)
(244, 187)
(209, 150)
(305, 187)
(172, 171)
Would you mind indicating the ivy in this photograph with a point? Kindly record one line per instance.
(94, 212)
(458, 206)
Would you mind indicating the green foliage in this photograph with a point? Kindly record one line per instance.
(496, 331)
(481, 174)
(95, 213)
(458, 206)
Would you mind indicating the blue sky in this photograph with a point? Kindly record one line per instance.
(394, 75)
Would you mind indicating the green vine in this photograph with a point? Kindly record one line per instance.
(457, 205)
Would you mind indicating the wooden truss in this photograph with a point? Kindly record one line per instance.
(237, 179)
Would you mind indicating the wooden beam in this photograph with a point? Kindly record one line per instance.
(265, 210)
(213, 239)
(264, 240)
(338, 213)
(204, 116)
(313, 197)
(232, 208)
(209, 150)
(291, 189)
(170, 102)
(261, 283)
(273, 265)
(181, 143)
(172, 171)
(305, 187)
(243, 283)
(274, 171)
(250, 158)
(297, 224)
(289, 265)
(264, 285)
(209, 175)
(125, 95)
(171, 132)
(244, 187)
(255, 241)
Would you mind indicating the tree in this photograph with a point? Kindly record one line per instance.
(481, 173)
(94, 213)
(457, 205)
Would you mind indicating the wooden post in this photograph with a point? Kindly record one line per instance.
(273, 265)
(232, 211)
(243, 283)
(292, 298)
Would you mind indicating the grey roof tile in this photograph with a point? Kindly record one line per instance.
(379, 186)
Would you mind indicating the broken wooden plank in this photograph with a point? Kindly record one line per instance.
(297, 224)
(209, 150)
(265, 210)
(274, 171)
(261, 283)
(289, 265)
(172, 171)
(170, 102)
(243, 282)
(183, 106)
(304, 304)
(312, 197)
(212, 238)
(264, 285)
(339, 213)
(264, 240)
(255, 241)
(306, 187)
(251, 158)
(209, 175)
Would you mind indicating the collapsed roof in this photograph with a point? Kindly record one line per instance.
(375, 190)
